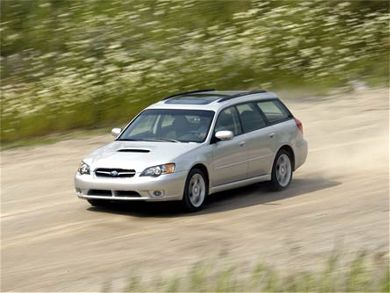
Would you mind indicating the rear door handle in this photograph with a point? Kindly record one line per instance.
(272, 134)
(242, 143)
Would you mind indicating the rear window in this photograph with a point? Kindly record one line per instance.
(274, 111)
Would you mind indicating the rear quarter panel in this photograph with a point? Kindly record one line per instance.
(287, 133)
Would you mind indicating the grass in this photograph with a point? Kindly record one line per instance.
(53, 138)
(89, 64)
(121, 116)
(363, 274)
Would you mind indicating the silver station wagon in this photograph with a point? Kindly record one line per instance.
(193, 144)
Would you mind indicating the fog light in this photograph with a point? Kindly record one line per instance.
(157, 193)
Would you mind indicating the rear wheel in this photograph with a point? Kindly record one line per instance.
(281, 171)
(196, 190)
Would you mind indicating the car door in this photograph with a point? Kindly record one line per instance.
(281, 126)
(229, 157)
(258, 139)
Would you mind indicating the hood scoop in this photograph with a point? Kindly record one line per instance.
(133, 151)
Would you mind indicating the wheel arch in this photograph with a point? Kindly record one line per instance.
(290, 150)
(204, 169)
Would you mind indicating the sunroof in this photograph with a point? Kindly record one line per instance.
(193, 99)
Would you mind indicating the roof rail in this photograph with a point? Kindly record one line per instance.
(241, 95)
(190, 92)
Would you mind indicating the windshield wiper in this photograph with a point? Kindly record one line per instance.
(150, 139)
(166, 139)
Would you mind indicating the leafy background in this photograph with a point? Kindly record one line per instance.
(89, 64)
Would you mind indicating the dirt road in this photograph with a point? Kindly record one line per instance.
(52, 241)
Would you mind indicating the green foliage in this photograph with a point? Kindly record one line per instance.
(357, 276)
(78, 64)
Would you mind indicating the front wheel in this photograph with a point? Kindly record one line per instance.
(196, 190)
(281, 171)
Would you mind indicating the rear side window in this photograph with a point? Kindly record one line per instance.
(250, 116)
(228, 120)
(273, 111)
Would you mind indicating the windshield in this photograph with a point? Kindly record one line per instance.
(169, 125)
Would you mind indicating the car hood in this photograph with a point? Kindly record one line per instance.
(137, 155)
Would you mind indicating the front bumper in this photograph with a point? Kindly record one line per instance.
(162, 188)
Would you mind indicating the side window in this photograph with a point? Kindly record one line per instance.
(273, 110)
(228, 120)
(251, 118)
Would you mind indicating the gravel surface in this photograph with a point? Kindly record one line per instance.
(52, 241)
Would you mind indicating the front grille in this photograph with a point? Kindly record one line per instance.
(99, 192)
(120, 193)
(117, 193)
(114, 173)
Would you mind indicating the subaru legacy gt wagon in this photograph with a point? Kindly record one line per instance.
(194, 144)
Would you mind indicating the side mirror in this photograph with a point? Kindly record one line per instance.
(224, 135)
(116, 131)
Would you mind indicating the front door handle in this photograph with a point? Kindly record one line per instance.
(242, 144)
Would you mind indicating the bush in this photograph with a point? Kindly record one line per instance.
(90, 63)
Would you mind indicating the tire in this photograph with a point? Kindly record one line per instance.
(98, 202)
(281, 171)
(195, 191)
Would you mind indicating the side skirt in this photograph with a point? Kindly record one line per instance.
(241, 183)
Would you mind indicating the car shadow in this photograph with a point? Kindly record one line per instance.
(256, 194)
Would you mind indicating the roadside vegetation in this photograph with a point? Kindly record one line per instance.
(88, 64)
(363, 274)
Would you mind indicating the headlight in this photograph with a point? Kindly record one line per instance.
(156, 171)
(84, 168)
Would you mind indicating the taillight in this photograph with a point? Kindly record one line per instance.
(299, 124)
